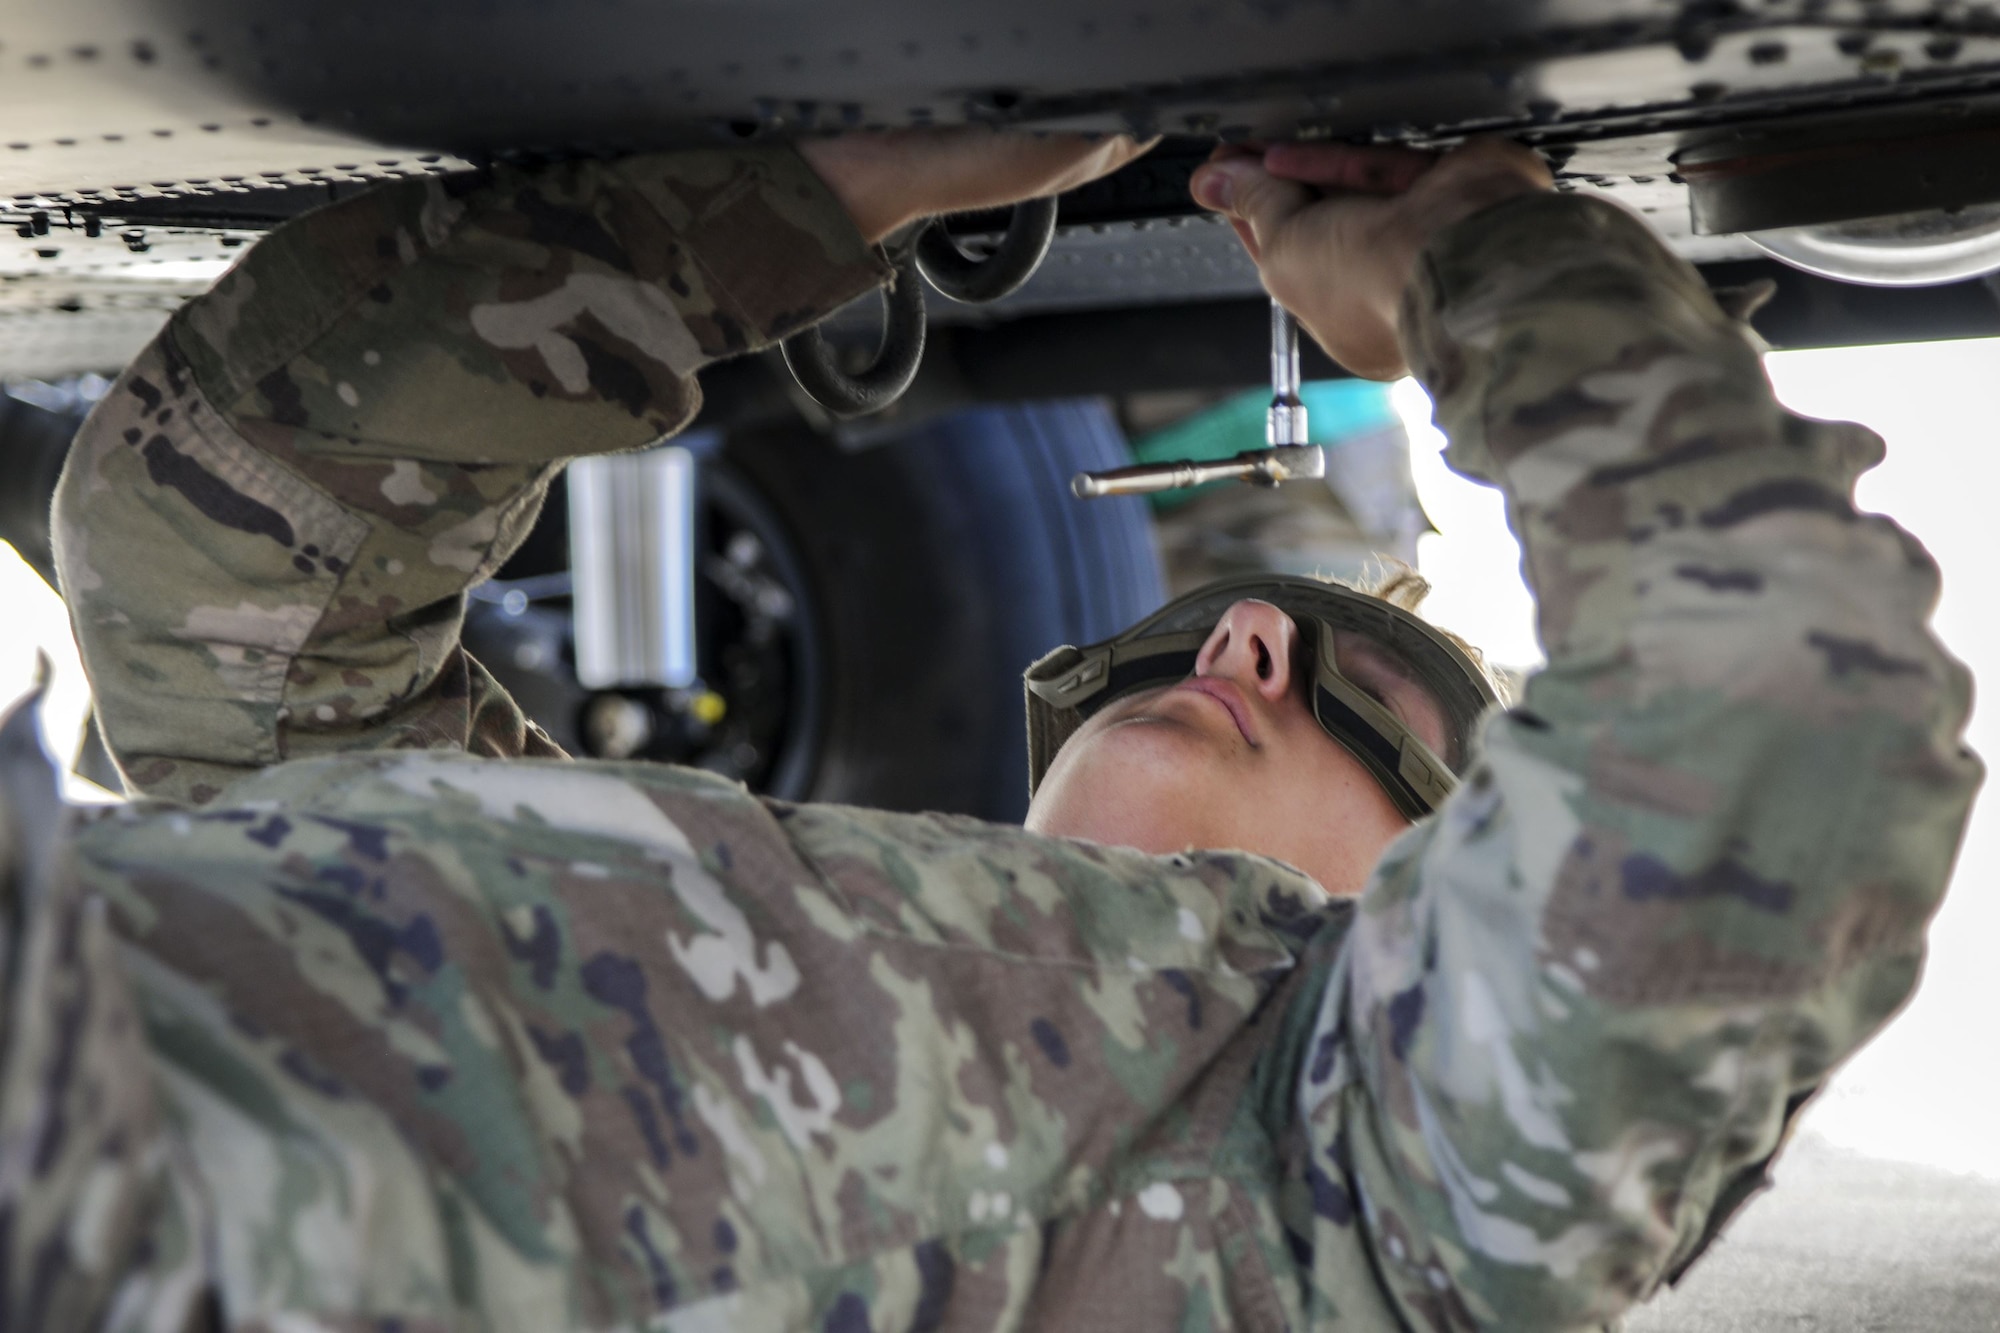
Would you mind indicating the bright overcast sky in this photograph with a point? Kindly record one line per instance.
(1926, 1091)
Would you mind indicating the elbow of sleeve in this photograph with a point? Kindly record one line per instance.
(1581, 1273)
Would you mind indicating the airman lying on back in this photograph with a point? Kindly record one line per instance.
(1315, 993)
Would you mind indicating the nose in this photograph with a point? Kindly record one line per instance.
(1253, 645)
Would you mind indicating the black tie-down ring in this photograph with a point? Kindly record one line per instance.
(962, 277)
(813, 364)
(959, 276)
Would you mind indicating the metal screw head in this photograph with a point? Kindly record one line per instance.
(616, 727)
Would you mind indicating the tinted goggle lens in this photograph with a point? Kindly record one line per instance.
(1412, 774)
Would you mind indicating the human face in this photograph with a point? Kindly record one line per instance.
(1232, 757)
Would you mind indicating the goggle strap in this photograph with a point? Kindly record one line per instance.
(1138, 670)
(1413, 777)
(1094, 677)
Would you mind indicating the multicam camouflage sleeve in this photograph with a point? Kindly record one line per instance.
(397, 1039)
(1691, 871)
(430, 1043)
(267, 528)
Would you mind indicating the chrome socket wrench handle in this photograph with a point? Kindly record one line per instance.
(1291, 457)
(1260, 467)
(1285, 419)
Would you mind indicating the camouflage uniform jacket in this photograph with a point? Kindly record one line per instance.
(395, 1037)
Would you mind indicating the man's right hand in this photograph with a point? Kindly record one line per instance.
(1336, 229)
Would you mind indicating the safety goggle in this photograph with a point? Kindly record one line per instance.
(1072, 684)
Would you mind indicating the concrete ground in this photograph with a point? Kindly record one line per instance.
(1847, 1244)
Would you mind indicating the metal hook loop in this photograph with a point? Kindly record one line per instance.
(962, 277)
(953, 272)
(813, 364)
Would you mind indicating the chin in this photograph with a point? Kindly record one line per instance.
(1139, 786)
